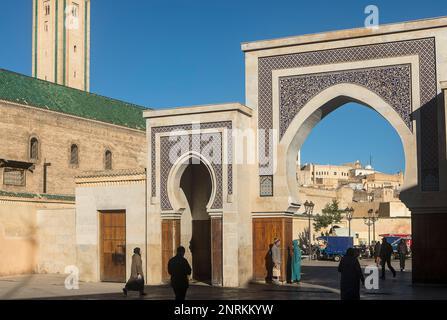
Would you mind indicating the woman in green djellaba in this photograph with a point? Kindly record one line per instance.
(296, 262)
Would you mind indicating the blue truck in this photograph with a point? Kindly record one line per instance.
(394, 240)
(334, 248)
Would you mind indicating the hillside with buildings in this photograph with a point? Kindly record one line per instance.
(362, 188)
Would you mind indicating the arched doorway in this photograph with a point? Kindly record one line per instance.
(285, 186)
(326, 102)
(197, 186)
(354, 157)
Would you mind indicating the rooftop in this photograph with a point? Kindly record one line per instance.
(25, 90)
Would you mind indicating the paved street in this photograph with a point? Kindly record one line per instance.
(320, 281)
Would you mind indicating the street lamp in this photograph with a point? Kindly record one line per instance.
(349, 215)
(373, 216)
(374, 219)
(309, 208)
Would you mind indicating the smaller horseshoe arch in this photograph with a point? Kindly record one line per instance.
(175, 193)
(192, 191)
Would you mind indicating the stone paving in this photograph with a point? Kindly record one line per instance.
(319, 281)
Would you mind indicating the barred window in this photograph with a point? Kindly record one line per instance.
(108, 160)
(14, 177)
(34, 149)
(266, 186)
(74, 155)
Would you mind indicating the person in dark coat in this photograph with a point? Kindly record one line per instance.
(386, 251)
(136, 280)
(377, 253)
(351, 276)
(179, 269)
(402, 249)
(269, 265)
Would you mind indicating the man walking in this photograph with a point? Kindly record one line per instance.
(377, 253)
(276, 257)
(179, 269)
(136, 280)
(386, 250)
(402, 249)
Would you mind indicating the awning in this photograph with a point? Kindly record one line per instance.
(5, 163)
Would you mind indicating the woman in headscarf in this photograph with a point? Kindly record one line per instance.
(351, 276)
(296, 262)
(136, 280)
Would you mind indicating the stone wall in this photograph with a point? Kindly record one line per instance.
(108, 193)
(56, 240)
(56, 133)
(21, 246)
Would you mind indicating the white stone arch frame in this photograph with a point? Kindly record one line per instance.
(329, 100)
(175, 175)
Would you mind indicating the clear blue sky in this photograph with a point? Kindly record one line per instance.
(166, 53)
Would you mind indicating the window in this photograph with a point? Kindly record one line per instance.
(45, 26)
(74, 74)
(47, 8)
(75, 48)
(108, 160)
(74, 155)
(266, 186)
(74, 10)
(14, 177)
(34, 149)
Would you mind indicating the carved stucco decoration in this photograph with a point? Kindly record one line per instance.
(166, 165)
(393, 84)
(187, 142)
(423, 48)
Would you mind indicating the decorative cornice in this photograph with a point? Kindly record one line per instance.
(113, 177)
(200, 109)
(347, 34)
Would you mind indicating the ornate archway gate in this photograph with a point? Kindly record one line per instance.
(291, 84)
(397, 70)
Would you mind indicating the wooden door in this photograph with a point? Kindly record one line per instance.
(265, 230)
(170, 241)
(113, 246)
(201, 250)
(216, 251)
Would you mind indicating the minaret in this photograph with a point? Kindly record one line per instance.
(61, 42)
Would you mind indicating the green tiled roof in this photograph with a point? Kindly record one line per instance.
(26, 195)
(42, 94)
